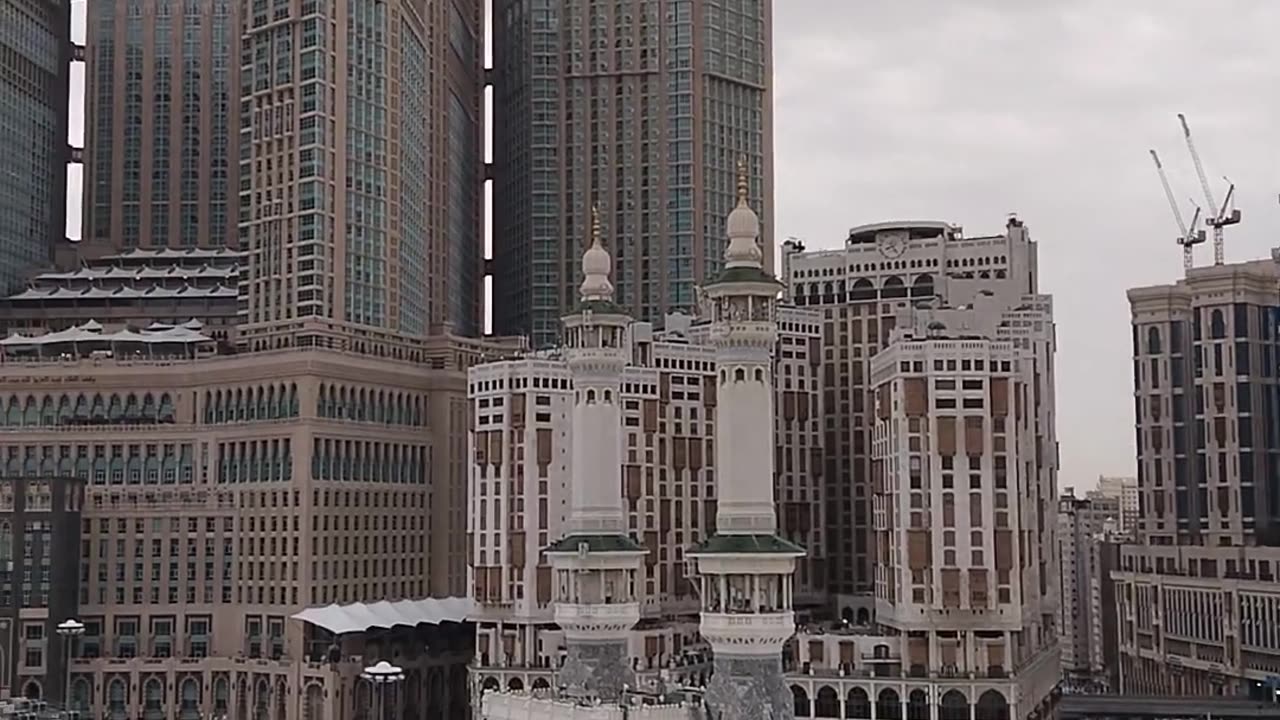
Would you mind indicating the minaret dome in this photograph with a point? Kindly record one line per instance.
(743, 229)
(597, 265)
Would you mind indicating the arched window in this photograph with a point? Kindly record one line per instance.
(827, 704)
(888, 705)
(221, 696)
(80, 694)
(1153, 340)
(857, 705)
(893, 288)
(153, 700)
(117, 700)
(800, 699)
(262, 701)
(313, 707)
(1217, 327)
(190, 700)
(954, 706)
(918, 705)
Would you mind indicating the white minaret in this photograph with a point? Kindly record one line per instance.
(746, 569)
(597, 565)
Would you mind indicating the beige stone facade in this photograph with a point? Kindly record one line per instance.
(226, 493)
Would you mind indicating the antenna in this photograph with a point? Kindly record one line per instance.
(1190, 236)
(1224, 214)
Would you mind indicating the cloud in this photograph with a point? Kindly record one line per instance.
(965, 111)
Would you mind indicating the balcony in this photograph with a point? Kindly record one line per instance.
(596, 619)
(748, 633)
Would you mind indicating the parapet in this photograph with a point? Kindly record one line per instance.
(514, 705)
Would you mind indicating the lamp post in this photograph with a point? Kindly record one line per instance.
(69, 629)
(381, 675)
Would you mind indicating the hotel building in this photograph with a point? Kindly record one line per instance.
(859, 289)
(359, 169)
(1197, 599)
(959, 431)
(240, 513)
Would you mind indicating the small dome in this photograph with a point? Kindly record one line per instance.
(597, 266)
(743, 222)
(596, 260)
(743, 228)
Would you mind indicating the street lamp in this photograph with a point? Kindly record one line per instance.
(381, 675)
(69, 629)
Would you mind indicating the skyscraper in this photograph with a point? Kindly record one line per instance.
(35, 52)
(161, 123)
(359, 170)
(641, 108)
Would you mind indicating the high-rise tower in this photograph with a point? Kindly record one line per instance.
(359, 133)
(641, 108)
(596, 565)
(746, 569)
(162, 91)
(35, 53)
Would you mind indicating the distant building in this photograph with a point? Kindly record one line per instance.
(1083, 526)
(1199, 598)
(1124, 489)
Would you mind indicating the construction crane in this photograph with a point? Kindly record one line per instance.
(1225, 214)
(1191, 235)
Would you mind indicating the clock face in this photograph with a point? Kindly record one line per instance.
(892, 244)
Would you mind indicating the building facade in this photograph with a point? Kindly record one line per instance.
(1125, 491)
(641, 109)
(1197, 595)
(40, 517)
(1085, 528)
(35, 69)
(162, 86)
(359, 168)
(225, 494)
(137, 288)
(858, 290)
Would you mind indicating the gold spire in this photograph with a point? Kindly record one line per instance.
(743, 185)
(595, 225)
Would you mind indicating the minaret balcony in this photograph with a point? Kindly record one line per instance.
(761, 633)
(599, 619)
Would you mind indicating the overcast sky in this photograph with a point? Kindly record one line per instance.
(967, 110)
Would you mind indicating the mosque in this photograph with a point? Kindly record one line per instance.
(744, 570)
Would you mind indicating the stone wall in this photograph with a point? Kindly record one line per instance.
(754, 688)
(601, 669)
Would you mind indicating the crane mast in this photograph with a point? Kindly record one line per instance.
(1190, 235)
(1223, 215)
